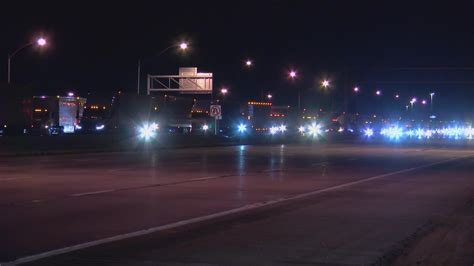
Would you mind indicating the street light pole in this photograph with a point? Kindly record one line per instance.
(9, 62)
(40, 42)
(431, 102)
(183, 46)
(138, 78)
(292, 76)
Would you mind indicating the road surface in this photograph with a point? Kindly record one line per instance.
(283, 204)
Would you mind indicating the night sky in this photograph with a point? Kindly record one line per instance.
(396, 46)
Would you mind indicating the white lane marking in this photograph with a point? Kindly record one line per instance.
(15, 178)
(122, 169)
(221, 214)
(92, 193)
(320, 164)
(283, 169)
(148, 186)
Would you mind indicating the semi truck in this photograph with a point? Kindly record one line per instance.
(53, 115)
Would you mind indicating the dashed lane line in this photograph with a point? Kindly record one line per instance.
(216, 215)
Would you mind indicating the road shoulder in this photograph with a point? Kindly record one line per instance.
(449, 241)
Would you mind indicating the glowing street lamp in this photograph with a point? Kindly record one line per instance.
(292, 74)
(431, 100)
(248, 63)
(412, 102)
(182, 46)
(224, 91)
(378, 92)
(269, 96)
(356, 89)
(423, 102)
(325, 83)
(397, 96)
(40, 42)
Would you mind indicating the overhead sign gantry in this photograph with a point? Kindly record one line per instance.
(189, 81)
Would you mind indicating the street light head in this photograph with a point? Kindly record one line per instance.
(325, 83)
(356, 89)
(224, 91)
(378, 93)
(413, 100)
(292, 74)
(423, 102)
(183, 46)
(397, 96)
(41, 41)
(269, 96)
(432, 94)
(248, 63)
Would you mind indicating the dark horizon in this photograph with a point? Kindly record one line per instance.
(405, 48)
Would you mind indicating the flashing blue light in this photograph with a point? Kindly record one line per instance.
(410, 133)
(242, 128)
(469, 132)
(274, 130)
(368, 132)
(393, 132)
(420, 133)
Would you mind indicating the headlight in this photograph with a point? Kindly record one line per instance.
(282, 128)
(301, 129)
(148, 131)
(154, 126)
(314, 129)
(274, 130)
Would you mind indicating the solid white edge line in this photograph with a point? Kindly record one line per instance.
(213, 216)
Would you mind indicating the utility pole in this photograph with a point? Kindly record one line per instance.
(138, 78)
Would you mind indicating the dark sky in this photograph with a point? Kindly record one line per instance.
(397, 46)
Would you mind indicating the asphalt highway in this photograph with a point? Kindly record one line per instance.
(252, 205)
